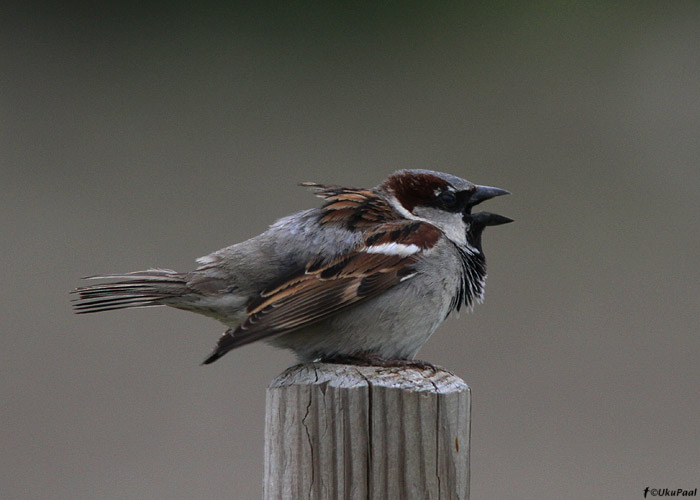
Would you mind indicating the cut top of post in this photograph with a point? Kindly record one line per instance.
(418, 379)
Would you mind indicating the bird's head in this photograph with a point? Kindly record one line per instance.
(445, 201)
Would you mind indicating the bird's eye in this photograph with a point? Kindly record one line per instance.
(448, 200)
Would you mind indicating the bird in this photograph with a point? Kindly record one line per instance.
(366, 277)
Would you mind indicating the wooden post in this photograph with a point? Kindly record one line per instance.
(366, 433)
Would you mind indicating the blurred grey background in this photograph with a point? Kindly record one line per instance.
(148, 136)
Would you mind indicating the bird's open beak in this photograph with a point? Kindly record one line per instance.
(483, 219)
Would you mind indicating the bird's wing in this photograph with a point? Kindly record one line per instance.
(322, 289)
(352, 208)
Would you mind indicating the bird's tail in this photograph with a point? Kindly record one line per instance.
(138, 289)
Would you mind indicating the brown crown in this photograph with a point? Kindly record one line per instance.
(412, 189)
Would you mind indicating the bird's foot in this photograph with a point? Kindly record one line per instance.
(367, 359)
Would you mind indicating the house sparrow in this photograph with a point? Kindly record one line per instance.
(369, 275)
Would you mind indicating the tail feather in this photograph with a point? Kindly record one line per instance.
(137, 289)
(122, 302)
